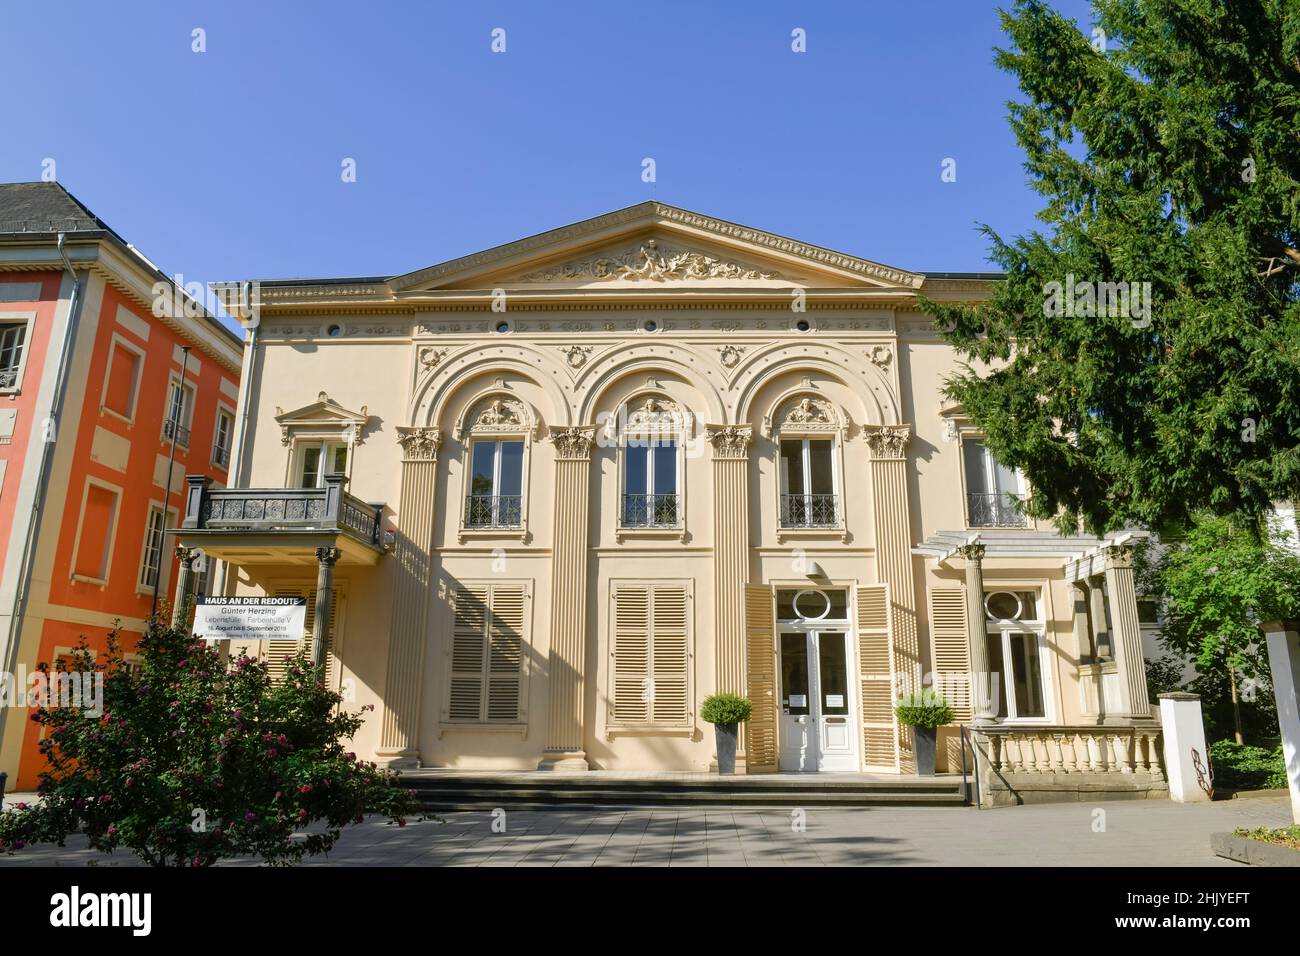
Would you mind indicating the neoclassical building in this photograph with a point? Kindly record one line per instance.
(546, 498)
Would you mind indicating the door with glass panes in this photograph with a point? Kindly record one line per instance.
(817, 728)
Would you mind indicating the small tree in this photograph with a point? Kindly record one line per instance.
(1220, 582)
(193, 758)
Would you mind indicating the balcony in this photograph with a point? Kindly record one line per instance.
(810, 511)
(484, 512)
(269, 525)
(221, 456)
(182, 433)
(995, 511)
(650, 511)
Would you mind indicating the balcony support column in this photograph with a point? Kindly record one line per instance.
(184, 584)
(399, 744)
(893, 525)
(984, 705)
(565, 747)
(320, 631)
(731, 561)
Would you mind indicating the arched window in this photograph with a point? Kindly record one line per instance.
(650, 464)
(495, 433)
(808, 430)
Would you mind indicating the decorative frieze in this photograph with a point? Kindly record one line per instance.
(419, 444)
(650, 261)
(888, 441)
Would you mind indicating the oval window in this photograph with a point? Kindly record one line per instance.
(1002, 606)
(812, 605)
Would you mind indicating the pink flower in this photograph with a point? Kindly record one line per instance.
(111, 830)
(305, 788)
(250, 816)
(20, 806)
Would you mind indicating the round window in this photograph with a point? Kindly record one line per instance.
(812, 605)
(1002, 606)
(650, 325)
(334, 331)
(803, 325)
(503, 327)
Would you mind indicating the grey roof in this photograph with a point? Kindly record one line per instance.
(45, 209)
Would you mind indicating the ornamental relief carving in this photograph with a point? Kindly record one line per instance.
(730, 441)
(655, 415)
(653, 261)
(572, 444)
(888, 441)
(499, 414)
(419, 444)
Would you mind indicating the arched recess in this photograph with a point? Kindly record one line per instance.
(439, 387)
(877, 402)
(702, 375)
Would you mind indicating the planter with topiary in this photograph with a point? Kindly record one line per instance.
(726, 712)
(924, 713)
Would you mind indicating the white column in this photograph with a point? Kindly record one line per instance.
(1187, 762)
(1126, 633)
(983, 701)
(1284, 662)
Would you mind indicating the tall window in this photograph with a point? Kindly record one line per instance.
(13, 336)
(122, 382)
(222, 437)
(180, 412)
(320, 458)
(95, 534)
(809, 490)
(1015, 653)
(650, 491)
(151, 563)
(495, 498)
(992, 489)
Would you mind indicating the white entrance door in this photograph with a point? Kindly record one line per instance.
(816, 705)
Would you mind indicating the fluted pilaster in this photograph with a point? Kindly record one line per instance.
(730, 557)
(565, 679)
(983, 687)
(1126, 632)
(409, 632)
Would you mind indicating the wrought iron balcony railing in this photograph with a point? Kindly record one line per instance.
(810, 511)
(282, 509)
(221, 456)
(8, 377)
(650, 511)
(493, 511)
(995, 511)
(182, 433)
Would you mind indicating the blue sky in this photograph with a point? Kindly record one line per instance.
(227, 164)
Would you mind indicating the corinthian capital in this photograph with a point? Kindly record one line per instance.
(573, 444)
(729, 441)
(419, 444)
(888, 441)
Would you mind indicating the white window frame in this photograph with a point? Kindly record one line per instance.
(1022, 484)
(26, 320)
(171, 518)
(225, 411)
(496, 439)
(189, 390)
(1036, 627)
(653, 441)
(805, 458)
(111, 542)
(139, 353)
(325, 443)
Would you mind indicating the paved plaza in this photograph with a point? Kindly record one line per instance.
(1119, 833)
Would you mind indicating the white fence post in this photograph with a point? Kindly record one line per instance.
(1187, 761)
(1284, 662)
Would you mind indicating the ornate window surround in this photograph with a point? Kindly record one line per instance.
(959, 429)
(521, 425)
(325, 420)
(828, 421)
(632, 420)
(27, 319)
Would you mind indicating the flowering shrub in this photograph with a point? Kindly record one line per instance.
(195, 758)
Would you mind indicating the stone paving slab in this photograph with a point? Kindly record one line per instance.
(1116, 833)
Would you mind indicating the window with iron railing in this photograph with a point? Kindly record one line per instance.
(809, 485)
(180, 413)
(993, 491)
(221, 439)
(650, 484)
(495, 498)
(13, 336)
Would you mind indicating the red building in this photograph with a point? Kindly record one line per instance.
(90, 383)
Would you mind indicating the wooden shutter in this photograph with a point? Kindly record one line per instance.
(278, 653)
(875, 656)
(650, 654)
(950, 649)
(760, 647)
(487, 653)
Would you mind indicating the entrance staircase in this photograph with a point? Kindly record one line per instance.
(447, 790)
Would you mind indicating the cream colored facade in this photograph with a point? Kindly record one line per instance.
(561, 611)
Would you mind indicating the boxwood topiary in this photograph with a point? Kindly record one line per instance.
(726, 709)
(926, 709)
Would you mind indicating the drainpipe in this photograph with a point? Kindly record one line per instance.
(25, 565)
(245, 394)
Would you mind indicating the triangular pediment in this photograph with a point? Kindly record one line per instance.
(653, 245)
(323, 415)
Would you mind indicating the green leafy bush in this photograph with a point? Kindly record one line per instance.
(726, 709)
(926, 709)
(193, 759)
(1244, 767)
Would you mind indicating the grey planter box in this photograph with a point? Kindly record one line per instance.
(1254, 852)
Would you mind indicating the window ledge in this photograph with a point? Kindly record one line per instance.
(469, 727)
(836, 532)
(622, 532)
(98, 582)
(105, 410)
(513, 534)
(15, 391)
(650, 731)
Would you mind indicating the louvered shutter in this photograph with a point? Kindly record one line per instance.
(879, 729)
(487, 653)
(650, 655)
(950, 649)
(278, 653)
(760, 640)
(630, 649)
